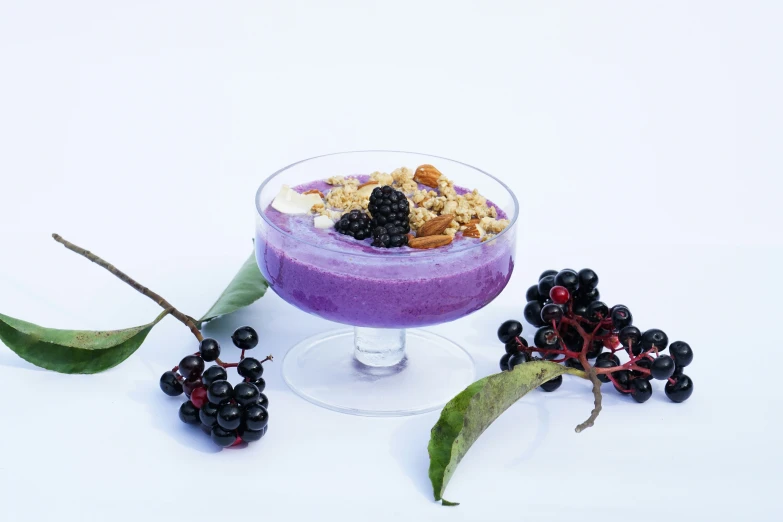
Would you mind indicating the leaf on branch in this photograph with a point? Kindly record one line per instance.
(72, 351)
(471, 412)
(247, 287)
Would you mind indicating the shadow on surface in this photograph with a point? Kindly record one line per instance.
(409, 448)
(164, 413)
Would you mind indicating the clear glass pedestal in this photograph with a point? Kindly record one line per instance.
(378, 372)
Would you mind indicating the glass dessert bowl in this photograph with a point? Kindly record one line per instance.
(445, 271)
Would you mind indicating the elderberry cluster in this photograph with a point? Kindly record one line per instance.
(574, 327)
(231, 414)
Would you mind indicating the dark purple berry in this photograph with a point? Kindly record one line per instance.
(545, 285)
(509, 330)
(567, 278)
(532, 313)
(209, 350)
(188, 413)
(191, 365)
(597, 311)
(220, 392)
(621, 317)
(518, 358)
(263, 400)
(214, 373)
(248, 435)
(552, 384)
(222, 437)
(260, 384)
(229, 416)
(681, 390)
(682, 353)
(641, 390)
(551, 312)
(654, 338)
(588, 280)
(662, 367)
(504, 362)
(513, 345)
(546, 273)
(546, 337)
(255, 417)
(250, 368)
(533, 295)
(630, 335)
(245, 338)
(604, 363)
(246, 393)
(191, 384)
(170, 384)
(208, 414)
(608, 356)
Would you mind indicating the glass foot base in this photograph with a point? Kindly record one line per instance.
(323, 370)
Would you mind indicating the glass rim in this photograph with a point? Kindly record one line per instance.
(433, 253)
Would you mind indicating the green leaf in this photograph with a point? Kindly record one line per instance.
(72, 351)
(247, 287)
(471, 412)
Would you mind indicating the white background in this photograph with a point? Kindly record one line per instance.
(643, 139)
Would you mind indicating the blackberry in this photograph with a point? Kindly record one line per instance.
(356, 224)
(390, 217)
(170, 384)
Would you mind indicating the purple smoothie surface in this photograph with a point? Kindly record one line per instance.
(341, 279)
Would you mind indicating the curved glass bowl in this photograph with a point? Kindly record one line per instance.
(381, 293)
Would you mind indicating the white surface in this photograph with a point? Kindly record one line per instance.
(642, 137)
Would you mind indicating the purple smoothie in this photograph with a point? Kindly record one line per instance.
(348, 281)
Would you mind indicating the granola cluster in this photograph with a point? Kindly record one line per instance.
(470, 210)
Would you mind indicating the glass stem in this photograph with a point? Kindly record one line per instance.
(379, 347)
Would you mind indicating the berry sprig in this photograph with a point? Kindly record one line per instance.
(232, 414)
(574, 327)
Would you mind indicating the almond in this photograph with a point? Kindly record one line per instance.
(365, 189)
(427, 175)
(411, 237)
(473, 222)
(435, 226)
(423, 243)
(314, 191)
(474, 231)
